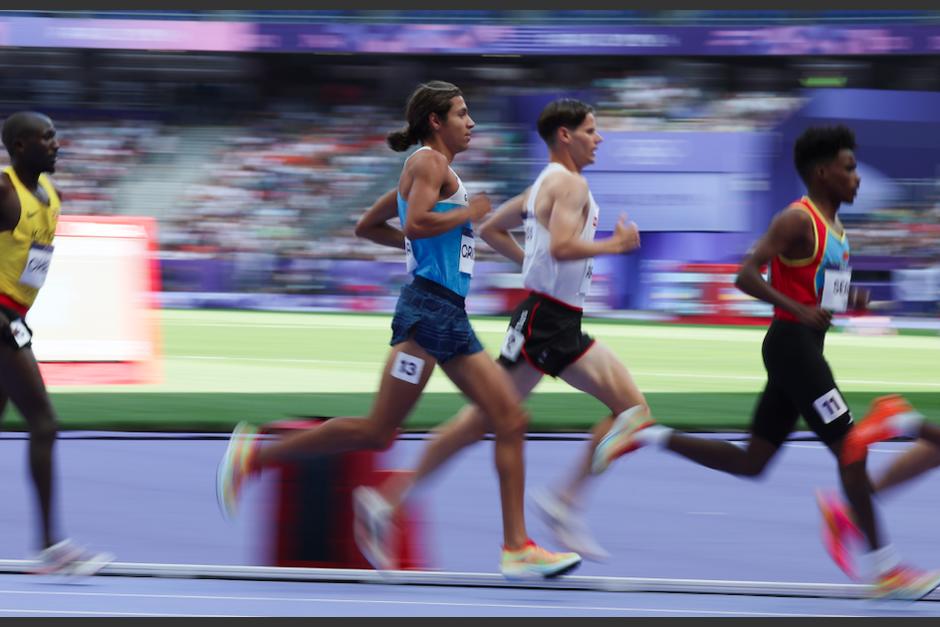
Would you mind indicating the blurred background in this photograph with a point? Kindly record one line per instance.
(256, 139)
(213, 165)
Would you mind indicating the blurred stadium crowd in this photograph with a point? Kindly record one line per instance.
(241, 154)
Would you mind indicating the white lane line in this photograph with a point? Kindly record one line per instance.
(815, 446)
(4, 610)
(639, 373)
(330, 362)
(532, 606)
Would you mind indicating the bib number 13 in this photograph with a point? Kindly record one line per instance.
(408, 368)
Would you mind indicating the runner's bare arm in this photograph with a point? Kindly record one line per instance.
(374, 226)
(784, 232)
(9, 205)
(430, 173)
(495, 231)
(569, 196)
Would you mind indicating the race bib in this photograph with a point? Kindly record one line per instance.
(512, 344)
(466, 253)
(21, 334)
(37, 266)
(835, 296)
(586, 279)
(408, 368)
(410, 262)
(830, 406)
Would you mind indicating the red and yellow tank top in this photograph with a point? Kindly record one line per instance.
(803, 279)
(26, 251)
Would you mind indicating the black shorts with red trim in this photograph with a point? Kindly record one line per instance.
(546, 333)
(14, 331)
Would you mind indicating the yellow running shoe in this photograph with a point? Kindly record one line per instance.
(906, 583)
(532, 561)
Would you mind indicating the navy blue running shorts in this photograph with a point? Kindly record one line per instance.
(437, 318)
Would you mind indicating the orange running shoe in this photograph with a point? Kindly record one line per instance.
(888, 417)
(906, 583)
(838, 532)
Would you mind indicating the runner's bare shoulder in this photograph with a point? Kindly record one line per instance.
(9, 204)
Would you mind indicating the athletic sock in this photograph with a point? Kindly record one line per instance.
(880, 561)
(656, 435)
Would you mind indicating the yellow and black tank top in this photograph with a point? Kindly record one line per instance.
(26, 251)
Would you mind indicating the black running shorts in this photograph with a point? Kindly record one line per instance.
(17, 335)
(799, 382)
(546, 333)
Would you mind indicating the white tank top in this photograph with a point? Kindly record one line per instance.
(567, 281)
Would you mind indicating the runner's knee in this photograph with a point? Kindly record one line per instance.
(474, 427)
(513, 422)
(753, 465)
(854, 476)
(44, 430)
(378, 437)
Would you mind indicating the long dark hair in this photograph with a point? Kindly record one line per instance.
(428, 98)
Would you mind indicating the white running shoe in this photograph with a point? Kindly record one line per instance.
(67, 558)
(621, 439)
(234, 467)
(372, 527)
(569, 528)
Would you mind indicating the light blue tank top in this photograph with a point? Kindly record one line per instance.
(447, 258)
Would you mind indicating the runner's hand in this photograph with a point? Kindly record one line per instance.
(814, 317)
(626, 235)
(480, 205)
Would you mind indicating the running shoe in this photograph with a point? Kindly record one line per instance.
(67, 558)
(838, 531)
(621, 439)
(235, 467)
(906, 583)
(372, 527)
(570, 529)
(532, 561)
(888, 417)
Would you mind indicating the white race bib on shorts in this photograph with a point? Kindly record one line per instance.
(21, 334)
(408, 368)
(512, 344)
(830, 406)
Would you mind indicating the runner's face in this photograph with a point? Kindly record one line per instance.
(457, 126)
(841, 176)
(584, 141)
(40, 147)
